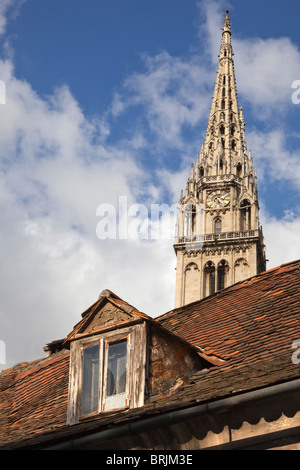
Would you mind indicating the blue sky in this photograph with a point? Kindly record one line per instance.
(94, 47)
(109, 98)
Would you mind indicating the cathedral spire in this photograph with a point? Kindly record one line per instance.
(219, 239)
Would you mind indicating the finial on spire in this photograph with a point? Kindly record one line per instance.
(227, 25)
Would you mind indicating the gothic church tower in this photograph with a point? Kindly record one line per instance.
(218, 239)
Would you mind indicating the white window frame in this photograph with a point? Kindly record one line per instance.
(117, 401)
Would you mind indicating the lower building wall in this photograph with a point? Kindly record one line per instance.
(264, 425)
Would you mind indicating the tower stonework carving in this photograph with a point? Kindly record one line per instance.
(219, 240)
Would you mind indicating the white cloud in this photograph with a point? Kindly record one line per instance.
(57, 167)
(171, 91)
(55, 171)
(211, 19)
(9, 8)
(265, 70)
(281, 238)
(274, 160)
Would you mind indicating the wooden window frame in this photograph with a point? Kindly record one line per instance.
(136, 336)
(103, 362)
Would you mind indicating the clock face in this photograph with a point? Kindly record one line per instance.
(218, 199)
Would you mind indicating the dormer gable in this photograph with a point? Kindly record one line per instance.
(107, 313)
(120, 358)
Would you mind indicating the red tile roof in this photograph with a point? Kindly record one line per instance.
(246, 321)
(205, 386)
(251, 325)
(33, 397)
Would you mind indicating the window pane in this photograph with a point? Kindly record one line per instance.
(221, 278)
(212, 282)
(116, 368)
(90, 380)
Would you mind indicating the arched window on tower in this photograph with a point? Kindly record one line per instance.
(192, 283)
(239, 169)
(222, 274)
(245, 215)
(221, 166)
(223, 104)
(189, 220)
(218, 226)
(251, 182)
(209, 278)
(222, 129)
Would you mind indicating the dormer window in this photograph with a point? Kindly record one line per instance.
(103, 377)
(107, 360)
(115, 353)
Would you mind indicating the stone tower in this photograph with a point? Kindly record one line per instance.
(218, 239)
